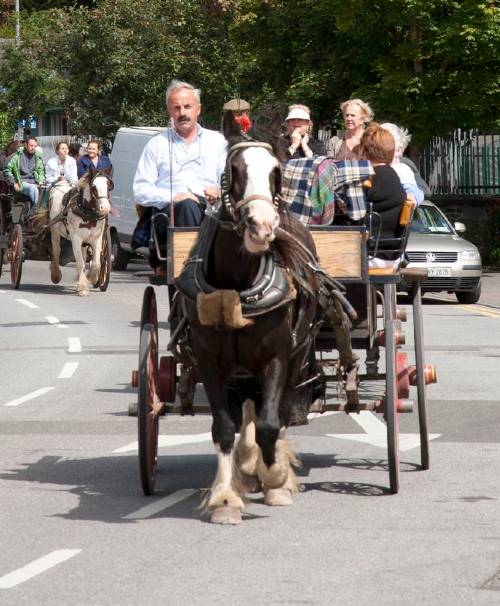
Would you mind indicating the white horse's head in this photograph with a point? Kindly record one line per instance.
(96, 187)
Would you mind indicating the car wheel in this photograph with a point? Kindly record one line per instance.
(120, 257)
(469, 296)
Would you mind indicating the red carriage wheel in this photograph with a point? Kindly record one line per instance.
(16, 255)
(149, 407)
(148, 316)
(105, 271)
(167, 378)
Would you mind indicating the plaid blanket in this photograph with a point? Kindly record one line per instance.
(318, 188)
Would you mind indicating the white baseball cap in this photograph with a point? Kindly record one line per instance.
(298, 113)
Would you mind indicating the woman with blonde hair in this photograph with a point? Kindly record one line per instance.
(357, 115)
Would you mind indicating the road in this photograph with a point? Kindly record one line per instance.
(76, 529)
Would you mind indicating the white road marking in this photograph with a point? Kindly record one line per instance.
(376, 433)
(61, 325)
(52, 319)
(150, 510)
(36, 567)
(170, 440)
(68, 370)
(30, 396)
(28, 303)
(74, 345)
(327, 413)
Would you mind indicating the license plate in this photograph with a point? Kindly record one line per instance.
(439, 272)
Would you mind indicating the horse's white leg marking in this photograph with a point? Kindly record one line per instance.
(279, 482)
(55, 271)
(224, 501)
(55, 234)
(82, 284)
(95, 238)
(247, 451)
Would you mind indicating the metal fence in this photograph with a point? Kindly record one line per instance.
(466, 163)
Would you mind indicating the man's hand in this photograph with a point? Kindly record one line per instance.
(212, 193)
(188, 195)
(17, 187)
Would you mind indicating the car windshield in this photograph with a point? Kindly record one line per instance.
(429, 220)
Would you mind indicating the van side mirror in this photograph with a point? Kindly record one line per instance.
(459, 227)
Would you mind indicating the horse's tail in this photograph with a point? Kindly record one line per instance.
(40, 222)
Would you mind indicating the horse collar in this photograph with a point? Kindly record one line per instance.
(271, 289)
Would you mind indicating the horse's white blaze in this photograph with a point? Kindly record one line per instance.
(101, 185)
(260, 164)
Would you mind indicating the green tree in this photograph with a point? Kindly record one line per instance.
(431, 65)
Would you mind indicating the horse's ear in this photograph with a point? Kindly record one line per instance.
(230, 127)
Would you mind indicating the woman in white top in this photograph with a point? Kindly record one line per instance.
(61, 166)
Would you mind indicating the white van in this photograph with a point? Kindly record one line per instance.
(127, 149)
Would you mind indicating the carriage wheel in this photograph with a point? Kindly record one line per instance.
(149, 315)
(149, 408)
(3, 231)
(391, 399)
(105, 271)
(418, 333)
(16, 255)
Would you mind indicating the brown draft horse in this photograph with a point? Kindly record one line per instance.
(253, 370)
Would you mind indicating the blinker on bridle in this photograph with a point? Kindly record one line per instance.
(234, 208)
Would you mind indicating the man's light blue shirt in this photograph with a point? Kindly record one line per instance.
(169, 165)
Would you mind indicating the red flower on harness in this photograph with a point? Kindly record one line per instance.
(243, 122)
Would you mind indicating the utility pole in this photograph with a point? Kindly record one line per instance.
(18, 26)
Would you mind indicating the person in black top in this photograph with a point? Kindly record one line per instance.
(298, 142)
(386, 194)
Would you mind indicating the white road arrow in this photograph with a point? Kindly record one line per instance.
(171, 440)
(376, 433)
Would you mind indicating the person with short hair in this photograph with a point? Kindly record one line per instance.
(74, 150)
(93, 158)
(182, 166)
(406, 175)
(298, 141)
(357, 115)
(386, 193)
(61, 167)
(241, 112)
(25, 170)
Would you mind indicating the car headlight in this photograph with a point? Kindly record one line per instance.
(470, 255)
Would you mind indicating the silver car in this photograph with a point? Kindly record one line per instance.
(453, 263)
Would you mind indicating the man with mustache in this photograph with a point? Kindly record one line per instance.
(180, 166)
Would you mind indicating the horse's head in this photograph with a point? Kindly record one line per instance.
(253, 184)
(95, 187)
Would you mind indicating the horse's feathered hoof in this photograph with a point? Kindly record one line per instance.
(226, 515)
(278, 497)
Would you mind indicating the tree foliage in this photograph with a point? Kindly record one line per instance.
(431, 65)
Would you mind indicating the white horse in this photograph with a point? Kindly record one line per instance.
(80, 216)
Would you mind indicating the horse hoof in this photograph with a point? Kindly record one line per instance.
(56, 278)
(278, 497)
(83, 293)
(226, 515)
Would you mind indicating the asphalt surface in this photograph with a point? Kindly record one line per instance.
(75, 527)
